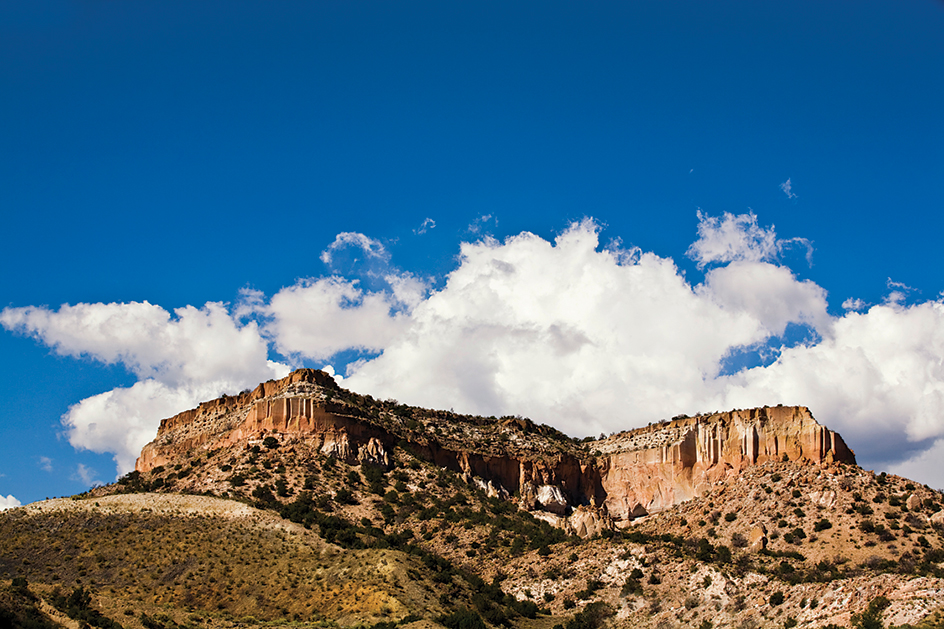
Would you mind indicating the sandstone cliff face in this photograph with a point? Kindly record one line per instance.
(651, 469)
(580, 486)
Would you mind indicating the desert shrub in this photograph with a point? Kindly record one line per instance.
(797, 493)
(883, 533)
(822, 525)
(867, 526)
(344, 496)
(871, 618)
(738, 540)
(270, 442)
(264, 497)
(78, 606)
(775, 478)
(463, 618)
(730, 517)
(631, 586)
(776, 598)
(592, 586)
(914, 521)
(591, 617)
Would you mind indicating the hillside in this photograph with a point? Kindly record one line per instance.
(301, 502)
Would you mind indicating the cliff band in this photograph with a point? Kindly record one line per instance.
(583, 486)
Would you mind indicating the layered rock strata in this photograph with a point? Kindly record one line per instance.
(653, 468)
(581, 486)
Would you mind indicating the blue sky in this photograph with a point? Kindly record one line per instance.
(182, 154)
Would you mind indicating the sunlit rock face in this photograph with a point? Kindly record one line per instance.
(582, 486)
(650, 469)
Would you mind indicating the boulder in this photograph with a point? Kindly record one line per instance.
(552, 499)
(757, 541)
(587, 522)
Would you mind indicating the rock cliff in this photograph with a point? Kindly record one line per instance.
(582, 486)
(654, 468)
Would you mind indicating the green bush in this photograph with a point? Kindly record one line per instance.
(871, 618)
(822, 525)
(591, 617)
(776, 598)
(463, 618)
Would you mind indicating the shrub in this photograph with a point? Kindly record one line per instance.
(270, 442)
(871, 618)
(344, 496)
(797, 493)
(591, 617)
(463, 618)
(730, 517)
(776, 598)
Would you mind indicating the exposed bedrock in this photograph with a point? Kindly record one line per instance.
(628, 475)
(653, 468)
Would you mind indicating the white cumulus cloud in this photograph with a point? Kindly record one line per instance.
(352, 240)
(732, 238)
(584, 337)
(180, 359)
(877, 377)
(854, 304)
(318, 318)
(590, 339)
(8, 503)
(576, 336)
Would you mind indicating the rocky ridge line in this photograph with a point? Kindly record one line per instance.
(580, 486)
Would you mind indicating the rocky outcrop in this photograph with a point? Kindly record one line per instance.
(585, 487)
(651, 469)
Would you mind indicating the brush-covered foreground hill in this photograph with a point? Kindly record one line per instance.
(302, 503)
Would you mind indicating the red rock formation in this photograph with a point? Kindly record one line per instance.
(625, 476)
(651, 469)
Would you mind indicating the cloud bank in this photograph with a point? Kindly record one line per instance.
(584, 337)
(8, 503)
(179, 358)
